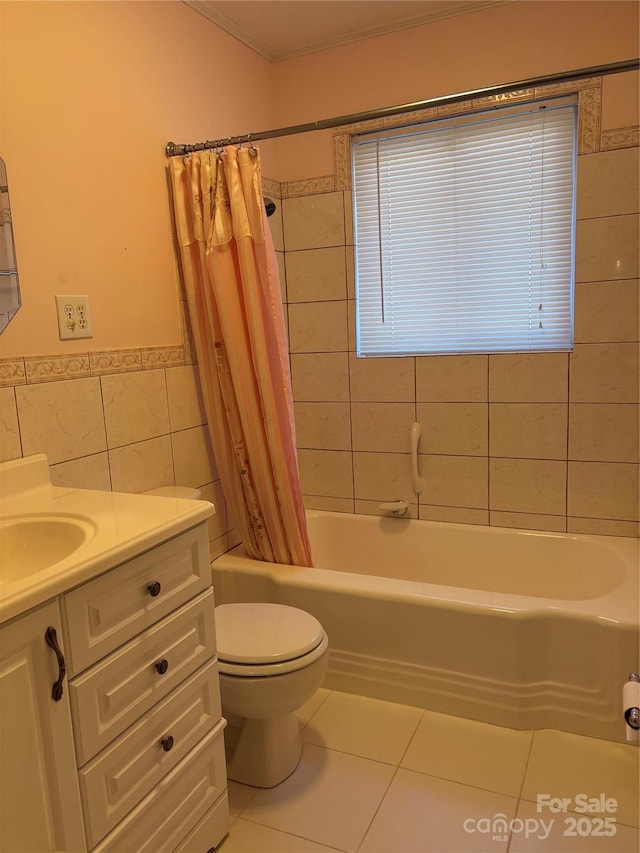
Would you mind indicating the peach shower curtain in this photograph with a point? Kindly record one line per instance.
(235, 307)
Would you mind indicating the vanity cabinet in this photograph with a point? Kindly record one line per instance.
(145, 702)
(39, 794)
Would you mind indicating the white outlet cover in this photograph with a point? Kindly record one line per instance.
(74, 317)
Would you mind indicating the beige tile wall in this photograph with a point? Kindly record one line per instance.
(544, 440)
(129, 431)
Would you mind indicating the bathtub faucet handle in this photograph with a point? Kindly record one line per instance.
(398, 508)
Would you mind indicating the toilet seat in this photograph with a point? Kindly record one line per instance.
(259, 639)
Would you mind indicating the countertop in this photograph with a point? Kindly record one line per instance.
(118, 527)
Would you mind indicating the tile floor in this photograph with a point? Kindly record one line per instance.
(376, 777)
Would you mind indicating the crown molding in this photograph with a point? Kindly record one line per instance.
(408, 22)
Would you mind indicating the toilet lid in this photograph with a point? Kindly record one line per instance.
(265, 633)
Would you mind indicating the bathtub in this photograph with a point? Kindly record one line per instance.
(518, 628)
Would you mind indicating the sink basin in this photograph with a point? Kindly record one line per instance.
(30, 543)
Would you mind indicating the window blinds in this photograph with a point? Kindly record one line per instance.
(465, 233)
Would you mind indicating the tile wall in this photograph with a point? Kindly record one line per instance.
(545, 441)
(127, 421)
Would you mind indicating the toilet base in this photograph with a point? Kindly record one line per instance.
(263, 752)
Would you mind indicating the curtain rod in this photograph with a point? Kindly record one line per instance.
(172, 149)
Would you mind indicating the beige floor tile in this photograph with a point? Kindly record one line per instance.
(420, 813)
(239, 796)
(330, 798)
(246, 837)
(362, 726)
(564, 834)
(470, 752)
(309, 708)
(565, 765)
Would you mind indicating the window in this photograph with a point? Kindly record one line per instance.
(465, 233)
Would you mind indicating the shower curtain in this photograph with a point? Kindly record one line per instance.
(235, 307)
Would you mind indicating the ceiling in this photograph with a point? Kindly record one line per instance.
(281, 29)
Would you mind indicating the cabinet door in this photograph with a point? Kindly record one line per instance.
(39, 796)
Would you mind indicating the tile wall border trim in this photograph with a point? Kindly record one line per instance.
(620, 137)
(115, 361)
(589, 120)
(308, 186)
(54, 368)
(12, 372)
(36, 369)
(272, 188)
(154, 357)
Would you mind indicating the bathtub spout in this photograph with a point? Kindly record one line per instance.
(395, 507)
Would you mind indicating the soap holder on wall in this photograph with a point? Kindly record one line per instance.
(395, 507)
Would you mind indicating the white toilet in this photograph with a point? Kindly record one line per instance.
(272, 659)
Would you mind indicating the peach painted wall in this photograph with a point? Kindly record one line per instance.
(91, 92)
(500, 44)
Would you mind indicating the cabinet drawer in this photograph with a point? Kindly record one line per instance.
(210, 831)
(112, 608)
(123, 773)
(115, 692)
(166, 816)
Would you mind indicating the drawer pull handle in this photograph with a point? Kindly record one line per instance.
(51, 639)
(167, 743)
(154, 589)
(162, 666)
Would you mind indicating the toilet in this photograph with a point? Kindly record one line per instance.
(272, 658)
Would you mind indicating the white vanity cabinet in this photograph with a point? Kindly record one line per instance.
(145, 702)
(39, 795)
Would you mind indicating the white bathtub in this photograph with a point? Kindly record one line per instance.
(514, 627)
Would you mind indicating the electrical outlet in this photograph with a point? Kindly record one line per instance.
(74, 317)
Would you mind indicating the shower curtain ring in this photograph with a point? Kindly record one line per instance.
(253, 151)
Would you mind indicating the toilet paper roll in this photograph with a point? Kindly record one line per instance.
(630, 700)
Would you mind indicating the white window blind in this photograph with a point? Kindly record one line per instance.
(465, 233)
